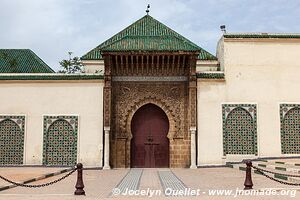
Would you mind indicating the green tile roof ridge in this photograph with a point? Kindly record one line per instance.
(147, 34)
(211, 75)
(151, 43)
(22, 61)
(262, 35)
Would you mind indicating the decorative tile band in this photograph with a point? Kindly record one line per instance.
(12, 129)
(149, 78)
(60, 140)
(290, 128)
(239, 129)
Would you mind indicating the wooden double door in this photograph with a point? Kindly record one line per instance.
(150, 145)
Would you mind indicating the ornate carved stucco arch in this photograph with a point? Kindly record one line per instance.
(131, 110)
(171, 97)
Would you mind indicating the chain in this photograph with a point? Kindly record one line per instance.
(41, 185)
(264, 170)
(279, 181)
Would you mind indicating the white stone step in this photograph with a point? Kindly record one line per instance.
(286, 162)
(279, 167)
(279, 173)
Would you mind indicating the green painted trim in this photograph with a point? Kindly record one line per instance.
(279, 176)
(281, 168)
(242, 168)
(262, 165)
(258, 172)
(52, 77)
(261, 36)
(207, 75)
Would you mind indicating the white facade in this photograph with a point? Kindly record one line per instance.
(36, 99)
(258, 71)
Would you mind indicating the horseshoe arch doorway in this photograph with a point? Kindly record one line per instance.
(149, 144)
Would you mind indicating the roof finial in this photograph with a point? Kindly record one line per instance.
(147, 11)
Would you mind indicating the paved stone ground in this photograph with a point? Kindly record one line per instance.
(99, 184)
(24, 173)
(288, 160)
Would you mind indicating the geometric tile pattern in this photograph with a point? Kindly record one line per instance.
(169, 180)
(290, 128)
(239, 129)
(12, 130)
(60, 140)
(131, 181)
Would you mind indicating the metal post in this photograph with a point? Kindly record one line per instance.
(248, 181)
(79, 184)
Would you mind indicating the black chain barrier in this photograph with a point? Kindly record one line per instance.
(267, 171)
(40, 185)
(248, 180)
(264, 171)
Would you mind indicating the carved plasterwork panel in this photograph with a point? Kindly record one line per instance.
(127, 96)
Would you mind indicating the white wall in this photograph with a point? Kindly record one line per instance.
(257, 71)
(35, 99)
(93, 66)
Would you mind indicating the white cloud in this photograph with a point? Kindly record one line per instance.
(53, 27)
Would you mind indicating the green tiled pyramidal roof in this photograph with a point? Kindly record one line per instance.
(22, 61)
(147, 34)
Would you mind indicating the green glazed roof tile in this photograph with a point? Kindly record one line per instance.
(151, 43)
(22, 61)
(147, 34)
(210, 75)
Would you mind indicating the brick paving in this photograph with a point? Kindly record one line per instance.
(99, 185)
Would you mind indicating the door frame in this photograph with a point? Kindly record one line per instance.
(167, 135)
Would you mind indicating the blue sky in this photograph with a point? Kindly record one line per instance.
(51, 28)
